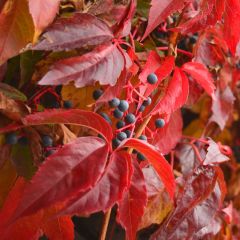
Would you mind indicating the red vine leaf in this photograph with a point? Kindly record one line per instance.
(209, 12)
(74, 116)
(192, 204)
(156, 159)
(214, 154)
(202, 76)
(104, 64)
(166, 138)
(108, 191)
(43, 13)
(222, 107)
(176, 94)
(131, 206)
(231, 24)
(160, 10)
(76, 167)
(80, 30)
(16, 28)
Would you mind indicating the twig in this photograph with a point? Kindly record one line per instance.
(105, 224)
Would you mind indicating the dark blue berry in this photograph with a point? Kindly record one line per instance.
(23, 140)
(128, 132)
(147, 102)
(106, 117)
(121, 136)
(142, 108)
(123, 106)
(116, 142)
(97, 94)
(152, 78)
(47, 141)
(67, 104)
(159, 123)
(120, 124)
(143, 137)
(58, 89)
(114, 102)
(140, 156)
(55, 104)
(117, 113)
(50, 152)
(130, 118)
(11, 138)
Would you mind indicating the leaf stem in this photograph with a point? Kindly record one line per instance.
(105, 224)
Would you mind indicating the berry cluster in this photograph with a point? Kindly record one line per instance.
(121, 113)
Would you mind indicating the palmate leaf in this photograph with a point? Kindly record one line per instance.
(160, 10)
(34, 226)
(74, 116)
(131, 206)
(201, 75)
(108, 191)
(43, 13)
(76, 167)
(159, 163)
(196, 205)
(79, 30)
(175, 95)
(104, 64)
(16, 28)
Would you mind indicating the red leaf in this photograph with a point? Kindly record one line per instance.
(214, 154)
(175, 95)
(160, 10)
(159, 163)
(209, 12)
(43, 13)
(74, 116)
(193, 204)
(152, 64)
(60, 229)
(123, 28)
(104, 64)
(162, 67)
(201, 74)
(76, 167)
(80, 30)
(166, 138)
(222, 107)
(131, 206)
(31, 227)
(231, 24)
(16, 28)
(106, 192)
